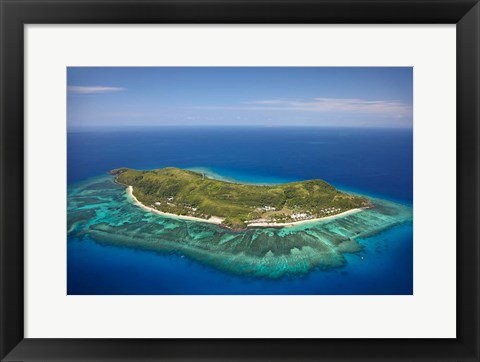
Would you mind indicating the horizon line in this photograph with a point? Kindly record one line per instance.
(108, 127)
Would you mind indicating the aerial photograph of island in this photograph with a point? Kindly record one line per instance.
(239, 180)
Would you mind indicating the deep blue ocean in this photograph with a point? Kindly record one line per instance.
(372, 162)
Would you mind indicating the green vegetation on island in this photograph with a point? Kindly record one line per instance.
(188, 193)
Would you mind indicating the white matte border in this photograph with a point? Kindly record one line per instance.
(429, 313)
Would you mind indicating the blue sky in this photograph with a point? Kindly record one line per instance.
(233, 96)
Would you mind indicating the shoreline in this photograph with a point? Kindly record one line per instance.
(213, 220)
(293, 223)
(218, 220)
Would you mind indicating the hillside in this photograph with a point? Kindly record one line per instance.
(183, 192)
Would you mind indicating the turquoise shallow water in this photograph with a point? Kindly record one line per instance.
(104, 222)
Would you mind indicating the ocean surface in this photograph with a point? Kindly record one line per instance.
(372, 162)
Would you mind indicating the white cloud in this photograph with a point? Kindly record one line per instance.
(92, 89)
(352, 105)
(339, 105)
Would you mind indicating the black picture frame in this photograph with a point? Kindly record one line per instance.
(17, 13)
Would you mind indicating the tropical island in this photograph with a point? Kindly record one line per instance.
(193, 195)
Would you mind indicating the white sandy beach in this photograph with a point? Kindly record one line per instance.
(212, 220)
(218, 220)
(266, 224)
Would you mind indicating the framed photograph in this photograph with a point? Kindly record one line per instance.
(239, 181)
(233, 183)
